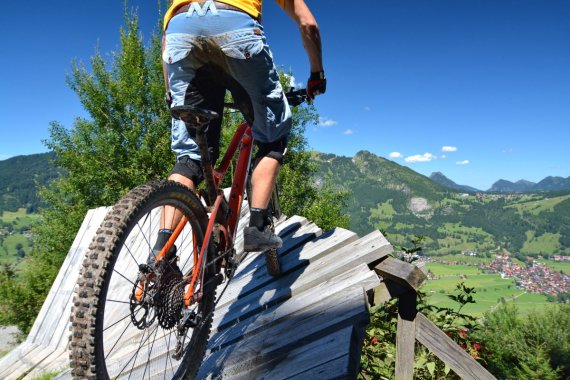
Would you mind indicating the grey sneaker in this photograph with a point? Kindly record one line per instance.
(255, 240)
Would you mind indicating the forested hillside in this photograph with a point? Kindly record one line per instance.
(385, 195)
(403, 203)
(19, 178)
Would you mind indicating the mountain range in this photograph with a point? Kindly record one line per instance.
(19, 178)
(526, 217)
(452, 218)
(503, 186)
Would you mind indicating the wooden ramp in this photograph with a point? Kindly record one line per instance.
(310, 321)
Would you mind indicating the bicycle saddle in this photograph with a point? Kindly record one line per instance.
(192, 115)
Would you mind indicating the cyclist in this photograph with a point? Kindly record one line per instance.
(211, 46)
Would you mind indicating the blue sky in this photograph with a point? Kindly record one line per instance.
(476, 89)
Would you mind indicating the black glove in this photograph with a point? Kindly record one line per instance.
(316, 85)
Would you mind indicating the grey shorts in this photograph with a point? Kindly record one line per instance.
(214, 50)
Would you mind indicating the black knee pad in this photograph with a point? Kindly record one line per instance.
(275, 150)
(190, 169)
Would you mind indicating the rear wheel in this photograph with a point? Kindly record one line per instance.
(129, 320)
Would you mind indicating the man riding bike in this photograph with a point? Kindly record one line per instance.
(212, 46)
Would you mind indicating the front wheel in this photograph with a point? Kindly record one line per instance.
(127, 321)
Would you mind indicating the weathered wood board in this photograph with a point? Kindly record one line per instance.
(320, 296)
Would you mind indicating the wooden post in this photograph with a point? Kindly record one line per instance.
(448, 351)
(405, 274)
(406, 336)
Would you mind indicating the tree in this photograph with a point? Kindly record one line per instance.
(125, 143)
(534, 347)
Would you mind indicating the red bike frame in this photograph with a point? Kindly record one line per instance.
(242, 141)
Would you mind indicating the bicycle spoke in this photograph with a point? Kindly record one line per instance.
(122, 319)
(148, 215)
(117, 301)
(168, 357)
(149, 354)
(123, 276)
(120, 336)
(134, 357)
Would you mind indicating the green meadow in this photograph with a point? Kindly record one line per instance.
(491, 290)
(12, 227)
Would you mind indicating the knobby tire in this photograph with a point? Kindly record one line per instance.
(104, 348)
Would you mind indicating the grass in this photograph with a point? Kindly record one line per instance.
(545, 243)
(446, 270)
(19, 218)
(563, 266)
(47, 375)
(19, 221)
(384, 211)
(461, 259)
(490, 289)
(535, 207)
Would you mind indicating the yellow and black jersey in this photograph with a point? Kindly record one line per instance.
(251, 7)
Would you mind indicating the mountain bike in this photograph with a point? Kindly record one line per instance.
(132, 318)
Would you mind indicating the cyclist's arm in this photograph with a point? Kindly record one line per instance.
(300, 13)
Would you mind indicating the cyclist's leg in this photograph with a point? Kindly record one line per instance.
(196, 87)
(271, 126)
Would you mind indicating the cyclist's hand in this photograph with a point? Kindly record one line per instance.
(168, 99)
(316, 85)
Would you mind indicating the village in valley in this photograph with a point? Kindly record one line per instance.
(534, 276)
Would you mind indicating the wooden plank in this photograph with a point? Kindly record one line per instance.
(300, 257)
(401, 272)
(28, 361)
(406, 336)
(52, 309)
(326, 316)
(364, 250)
(56, 361)
(12, 359)
(332, 370)
(442, 346)
(284, 228)
(301, 236)
(358, 277)
(329, 355)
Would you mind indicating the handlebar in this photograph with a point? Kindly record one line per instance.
(294, 98)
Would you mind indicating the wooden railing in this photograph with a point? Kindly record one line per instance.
(402, 280)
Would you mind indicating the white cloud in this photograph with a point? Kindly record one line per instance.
(464, 162)
(396, 155)
(443, 156)
(349, 132)
(367, 108)
(449, 148)
(426, 157)
(326, 122)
